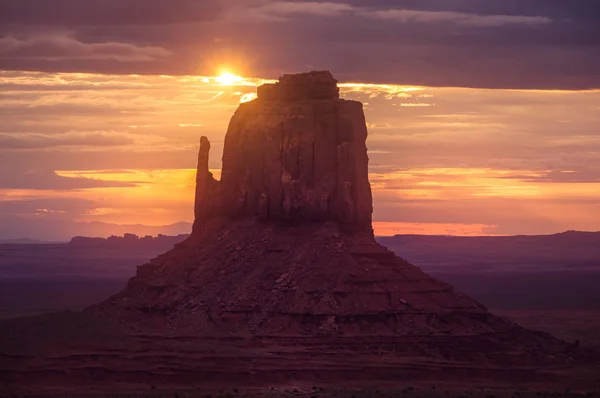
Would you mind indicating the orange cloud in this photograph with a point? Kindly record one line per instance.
(406, 228)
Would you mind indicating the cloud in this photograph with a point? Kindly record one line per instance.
(108, 12)
(561, 176)
(395, 228)
(69, 48)
(49, 180)
(489, 157)
(331, 9)
(419, 16)
(49, 207)
(70, 139)
(310, 7)
(506, 44)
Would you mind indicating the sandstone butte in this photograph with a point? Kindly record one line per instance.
(282, 283)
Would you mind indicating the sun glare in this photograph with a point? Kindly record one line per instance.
(228, 79)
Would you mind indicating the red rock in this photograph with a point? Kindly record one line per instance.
(298, 156)
(301, 87)
(207, 188)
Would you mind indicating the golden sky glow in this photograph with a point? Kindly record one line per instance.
(122, 149)
(228, 79)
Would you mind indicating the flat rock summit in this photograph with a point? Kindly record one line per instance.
(282, 282)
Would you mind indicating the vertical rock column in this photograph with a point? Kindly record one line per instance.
(207, 188)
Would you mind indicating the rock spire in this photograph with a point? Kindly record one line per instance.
(207, 188)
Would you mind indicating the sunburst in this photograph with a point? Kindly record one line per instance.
(228, 79)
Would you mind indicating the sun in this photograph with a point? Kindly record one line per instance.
(228, 79)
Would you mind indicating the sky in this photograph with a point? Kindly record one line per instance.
(483, 116)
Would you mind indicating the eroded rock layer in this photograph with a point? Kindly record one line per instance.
(299, 87)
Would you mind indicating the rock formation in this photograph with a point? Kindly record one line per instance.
(296, 154)
(301, 87)
(207, 200)
(282, 281)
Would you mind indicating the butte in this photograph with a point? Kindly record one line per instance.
(282, 283)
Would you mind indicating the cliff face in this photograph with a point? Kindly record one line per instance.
(296, 154)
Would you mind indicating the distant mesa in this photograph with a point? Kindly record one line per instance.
(127, 240)
(21, 241)
(282, 283)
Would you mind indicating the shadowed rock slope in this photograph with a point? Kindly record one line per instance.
(282, 281)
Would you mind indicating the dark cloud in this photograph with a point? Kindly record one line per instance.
(48, 207)
(50, 180)
(470, 43)
(101, 159)
(107, 12)
(586, 9)
(458, 18)
(44, 141)
(67, 48)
